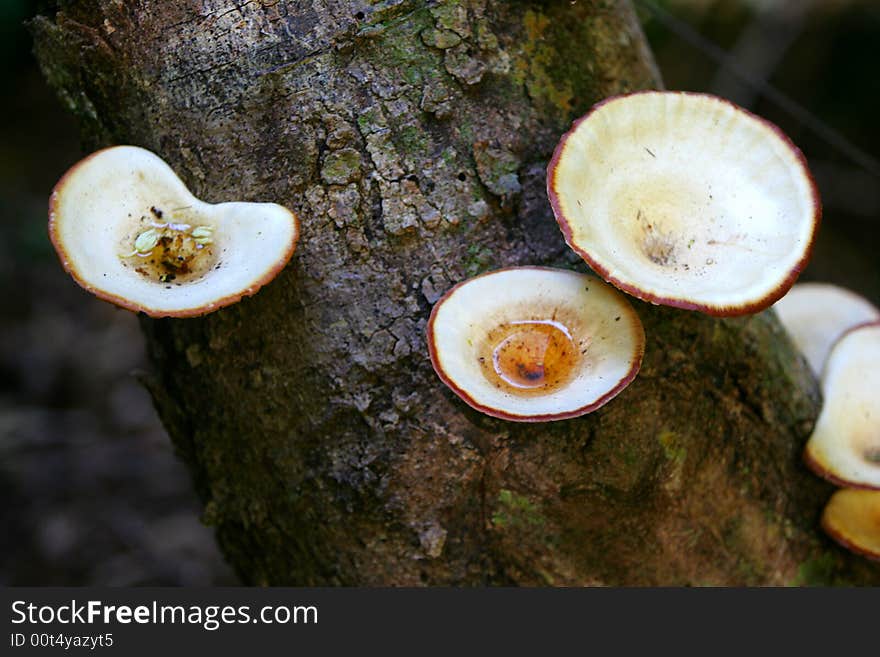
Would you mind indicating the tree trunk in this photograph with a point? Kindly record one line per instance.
(411, 137)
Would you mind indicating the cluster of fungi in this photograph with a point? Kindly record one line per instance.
(839, 334)
(689, 201)
(673, 198)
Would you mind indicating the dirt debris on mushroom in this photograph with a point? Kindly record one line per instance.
(686, 200)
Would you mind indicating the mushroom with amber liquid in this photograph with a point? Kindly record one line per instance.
(534, 344)
(129, 231)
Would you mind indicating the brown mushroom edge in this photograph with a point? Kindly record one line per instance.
(635, 325)
(127, 304)
(685, 304)
(821, 471)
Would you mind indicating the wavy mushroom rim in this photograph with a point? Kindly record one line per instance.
(680, 302)
(628, 378)
(850, 545)
(821, 471)
(127, 304)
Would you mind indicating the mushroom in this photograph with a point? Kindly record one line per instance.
(686, 200)
(852, 518)
(845, 445)
(129, 231)
(532, 344)
(817, 314)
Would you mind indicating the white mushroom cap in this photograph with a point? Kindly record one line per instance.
(845, 445)
(125, 198)
(685, 200)
(534, 344)
(817, 314)
(852, 518)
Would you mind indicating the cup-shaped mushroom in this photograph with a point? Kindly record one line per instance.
(533, 344)
(852, 518)
(845, 444)
(817, 314)
(685, 200)
(129, 231)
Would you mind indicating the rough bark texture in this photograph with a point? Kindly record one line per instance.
(411, 137)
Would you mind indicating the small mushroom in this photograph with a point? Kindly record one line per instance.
(533, 344)
(129, 231)
(685, 200)
(845, 445)
(817, 314)
(852, 518)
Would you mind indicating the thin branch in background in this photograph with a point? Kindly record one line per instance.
(760, 48)
(809, 120)
(847, 189)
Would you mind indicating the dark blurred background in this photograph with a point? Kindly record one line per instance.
(90, 489)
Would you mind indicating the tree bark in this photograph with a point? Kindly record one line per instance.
(411, 137)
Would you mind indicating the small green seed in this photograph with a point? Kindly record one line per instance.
(146, 241)
(203, 235)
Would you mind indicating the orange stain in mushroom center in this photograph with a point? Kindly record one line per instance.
(176, 255)
(529, 357)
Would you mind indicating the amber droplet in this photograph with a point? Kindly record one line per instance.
(529, 357)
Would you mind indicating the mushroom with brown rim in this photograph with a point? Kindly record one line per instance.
(685, 200)
(852, 518)
(845, 445)
(533, 344)
(817, 314)
(129, 231)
